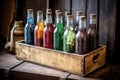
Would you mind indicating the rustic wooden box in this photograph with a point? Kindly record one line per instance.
(73, 63)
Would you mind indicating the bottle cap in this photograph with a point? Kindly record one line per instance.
(82, 17)
(29, 10)
(56, 11)
(59, 14)
(93, 16)
(39, 12)
(67, 13)
(48, 10)
(79, 13)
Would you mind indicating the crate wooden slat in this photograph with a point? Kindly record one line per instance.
(73, 63)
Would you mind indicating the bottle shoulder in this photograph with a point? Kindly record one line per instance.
(29, 25)
(66, 32)
(56, 30)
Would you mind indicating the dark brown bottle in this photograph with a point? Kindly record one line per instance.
(79, 13)
(92, 33)
(81, 46)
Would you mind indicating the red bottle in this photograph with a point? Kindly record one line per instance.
(48, 32)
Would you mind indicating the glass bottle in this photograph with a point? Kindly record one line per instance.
(65, 22)
(38, 32)
(93, 33)
(29, 28)
(47, 10)
(79, 13)
(48, 32)
(56, 11)
(58, 33)
(69, 36)
(81, 46)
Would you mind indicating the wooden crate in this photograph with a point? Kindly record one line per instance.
(73, 63)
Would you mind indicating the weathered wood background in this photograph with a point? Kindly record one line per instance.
(106, 11)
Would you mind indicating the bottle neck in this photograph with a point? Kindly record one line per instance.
(77, 19)
(59, 19)
(69, 22)
(30, 18)
(40, 18)
(82, 24)
(49, 19)
(93, 23)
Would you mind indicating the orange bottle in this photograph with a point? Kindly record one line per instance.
(38, 33)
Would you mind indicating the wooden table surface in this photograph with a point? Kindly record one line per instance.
(21, 70)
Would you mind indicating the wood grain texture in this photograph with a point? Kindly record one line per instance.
(107, 72)
(37, 72)
(95, 60)
(76, 77)
(112, 15)
(35, 5)
(47, 57)
(78, 5)
(7, 61)
(73, 63)
(92, 8)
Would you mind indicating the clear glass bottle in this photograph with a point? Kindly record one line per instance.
(65, 21)
(38, 32)
(29, 28)
(79, 13)
(58, 33)
(69, 36)
(81, 46)
(48, 32)
(93, 33)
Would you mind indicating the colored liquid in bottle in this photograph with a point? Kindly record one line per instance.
(81, 46)
(48, 36)
(38, 33)
(29, 33)
(69, 36)
(81, 42)
(58, 37)
(93, 37)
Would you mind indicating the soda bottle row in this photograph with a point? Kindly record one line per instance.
(61, 35)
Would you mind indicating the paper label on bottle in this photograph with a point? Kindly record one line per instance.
(71, 38)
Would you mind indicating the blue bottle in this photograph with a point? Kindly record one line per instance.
(29, 28)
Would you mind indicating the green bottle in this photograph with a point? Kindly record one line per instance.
(69, 36)
(58, 33)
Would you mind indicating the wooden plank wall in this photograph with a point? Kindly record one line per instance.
(35, 5)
